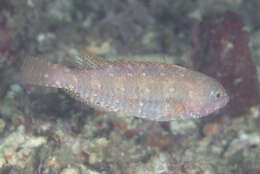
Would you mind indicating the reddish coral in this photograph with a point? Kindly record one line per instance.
(220, 49)
(5, 32)
(5, 39)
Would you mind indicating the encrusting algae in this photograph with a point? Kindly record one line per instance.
(149, 90)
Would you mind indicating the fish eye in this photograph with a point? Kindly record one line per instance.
(216, 94)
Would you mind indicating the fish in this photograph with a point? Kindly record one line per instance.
(148, 90)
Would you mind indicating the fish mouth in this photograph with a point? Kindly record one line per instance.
(226, 100)
(209, 109)
(222, 103)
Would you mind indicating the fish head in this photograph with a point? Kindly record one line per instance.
(208, 96)
(218, 98)
(214, 97)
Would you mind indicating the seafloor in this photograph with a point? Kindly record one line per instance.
(45, 131)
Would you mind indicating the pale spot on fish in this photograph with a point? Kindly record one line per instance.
(143, 74)
(134, 97)
(177, 109)
(111, 74)
(182, 74)
(99, 86)
(191, 94)
(129, 66)
(95, 84)
(141, 104)
(166, 106)
(71, 87)
(130, 74)
(162, 66)
(55, 66)
(75, 79)
(142, 66)
(171, 90)
(162, 74)
(58, 84)
(67, 70)
(115, 109)
(147, 90)
(102, 103)
(46, 75)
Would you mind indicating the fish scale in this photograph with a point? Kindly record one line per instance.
(149, 90)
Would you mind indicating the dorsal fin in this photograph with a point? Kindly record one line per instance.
(93, 61)
(85, 62)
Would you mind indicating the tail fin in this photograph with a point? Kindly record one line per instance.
(36, 71)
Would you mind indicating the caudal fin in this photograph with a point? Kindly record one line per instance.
(37, 71)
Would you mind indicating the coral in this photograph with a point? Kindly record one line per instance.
(7, 51)
(6, 32)
(5, 39)
(220, 49)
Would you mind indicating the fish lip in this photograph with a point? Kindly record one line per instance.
(222, 103)
(218, 105)
(226, 99)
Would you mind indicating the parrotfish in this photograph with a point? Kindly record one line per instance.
(149, 90)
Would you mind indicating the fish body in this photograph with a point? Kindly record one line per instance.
(149, 90)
